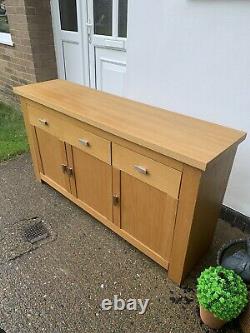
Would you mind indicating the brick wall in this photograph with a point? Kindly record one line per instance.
(32, 58)
(41, 37)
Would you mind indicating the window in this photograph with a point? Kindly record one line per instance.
(110, 17)
(68, 15)
(5, 36)
(103, 17)
(122, 18)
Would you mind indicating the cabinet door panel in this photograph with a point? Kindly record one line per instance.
(147, 214)
(93, 182)
(53, 156)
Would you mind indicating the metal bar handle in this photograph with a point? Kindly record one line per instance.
(43, 121)
(84, 142)
(141, 169)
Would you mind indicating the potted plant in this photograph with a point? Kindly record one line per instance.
(222, 295)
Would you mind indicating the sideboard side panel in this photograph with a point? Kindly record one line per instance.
(31, 134)
(211, 190)
(186, 207)
(211, 194)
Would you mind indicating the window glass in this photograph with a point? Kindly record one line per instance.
(4, 25)
(122, 18)
(68, 15)
(103, 17)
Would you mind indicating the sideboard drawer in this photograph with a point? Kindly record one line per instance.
(63, 128)
(147, 170)
(87, 141)
(45, 119)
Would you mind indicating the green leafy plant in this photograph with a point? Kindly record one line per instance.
(222, 292)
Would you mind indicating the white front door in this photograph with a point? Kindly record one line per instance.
(90, 42)
(107, 29)
(70, 35)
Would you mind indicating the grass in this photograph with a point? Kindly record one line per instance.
(13, 139)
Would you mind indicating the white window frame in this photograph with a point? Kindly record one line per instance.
(114, 40)
(5, 38)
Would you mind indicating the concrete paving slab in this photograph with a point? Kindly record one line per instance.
(59, 287)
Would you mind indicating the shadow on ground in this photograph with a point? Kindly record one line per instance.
(59, 287)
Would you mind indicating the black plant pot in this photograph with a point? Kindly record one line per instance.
(235, 255)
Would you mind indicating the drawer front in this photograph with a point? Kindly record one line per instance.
(147, 170)
(42, 118)
(66, 129)
(87, 141)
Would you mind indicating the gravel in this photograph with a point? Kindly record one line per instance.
(59, 286)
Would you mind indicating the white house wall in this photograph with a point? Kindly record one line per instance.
(193, 57)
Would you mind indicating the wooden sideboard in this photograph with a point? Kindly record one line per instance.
(156, 178)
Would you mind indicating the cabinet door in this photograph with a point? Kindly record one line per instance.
(93, 179)
(148, 215)
(53, 158)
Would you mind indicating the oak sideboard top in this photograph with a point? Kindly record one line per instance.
(186, 139)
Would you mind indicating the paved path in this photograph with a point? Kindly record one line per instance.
(58, 288)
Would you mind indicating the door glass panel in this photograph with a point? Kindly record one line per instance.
(68, 15)
(103, 17)
(122, 18)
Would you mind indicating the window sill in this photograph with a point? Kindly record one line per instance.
(5, 38)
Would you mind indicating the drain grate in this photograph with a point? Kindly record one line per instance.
(24, 236)
(35, 233)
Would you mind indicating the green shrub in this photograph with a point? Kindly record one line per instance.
(222, 292)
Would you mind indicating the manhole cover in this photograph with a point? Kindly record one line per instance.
(35, 233)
